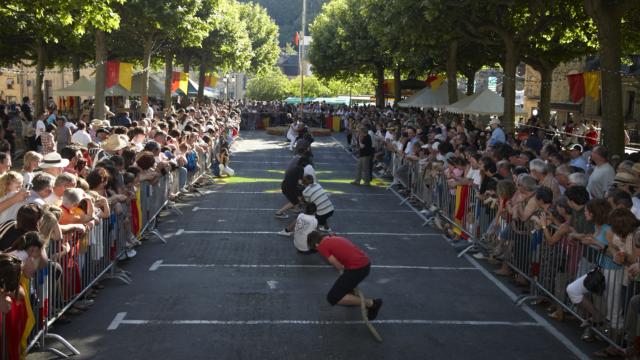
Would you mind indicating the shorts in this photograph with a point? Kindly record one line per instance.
(345, 284)
(322, 219)
(291, 194)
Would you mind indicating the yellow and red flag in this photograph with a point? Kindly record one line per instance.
(119, 73)
(180, 81)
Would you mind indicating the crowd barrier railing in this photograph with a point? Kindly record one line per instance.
(544, 264)
(78, 260)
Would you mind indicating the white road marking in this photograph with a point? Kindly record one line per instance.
(279, 193)
(160, 263)
(120, 320)
(274, 209)
(155, 265)
(272, 284)
(228, 232)
(369, 247)
(117, 321)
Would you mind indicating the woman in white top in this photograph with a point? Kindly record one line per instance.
(10, 187)
(31, 161)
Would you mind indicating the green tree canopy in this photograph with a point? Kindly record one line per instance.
(263, 33)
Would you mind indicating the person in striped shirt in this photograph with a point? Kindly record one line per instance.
(314, 193)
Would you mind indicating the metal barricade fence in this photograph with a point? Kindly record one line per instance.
(79, 260)
(550, 267)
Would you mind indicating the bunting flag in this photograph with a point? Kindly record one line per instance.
(435, 81)
(592, 84)
(210, 80)
(119, 74)
(30, 318)
(180, 81)
(296, 39)
(576, 87)
(460, 209)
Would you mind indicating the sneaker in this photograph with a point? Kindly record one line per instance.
(479, 256)
(372, 312)
(127, 254)
(284, 233)
(281, 216)
(324, 228)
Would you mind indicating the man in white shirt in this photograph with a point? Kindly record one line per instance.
(603, 173)
(81, 136)
(301, 228)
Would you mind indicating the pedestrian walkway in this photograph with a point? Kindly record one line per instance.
(225, 286)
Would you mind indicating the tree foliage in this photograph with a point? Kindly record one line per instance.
(263, 33)
(268, 86)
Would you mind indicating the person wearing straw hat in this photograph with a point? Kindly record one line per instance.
(497, 134)
(53, 164)
(115, 143)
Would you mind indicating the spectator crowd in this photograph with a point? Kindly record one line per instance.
(76, 203)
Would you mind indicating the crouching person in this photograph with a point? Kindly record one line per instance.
(354, 266)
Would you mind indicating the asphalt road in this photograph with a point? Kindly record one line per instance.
(225, 286)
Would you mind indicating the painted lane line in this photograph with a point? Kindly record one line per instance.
(272, 284)
(197, 208)
(283, 163)
(280, 193)
(155, 265)
(160, 263)
(117, 321)
(120, 320)
(228, 232)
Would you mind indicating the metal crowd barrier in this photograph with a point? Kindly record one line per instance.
(92, 257)
(547, 267)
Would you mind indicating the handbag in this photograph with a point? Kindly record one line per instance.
(595, 281)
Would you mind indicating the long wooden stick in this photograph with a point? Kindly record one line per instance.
(363, 310)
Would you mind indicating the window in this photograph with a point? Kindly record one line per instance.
(10, 82)
(11, 99)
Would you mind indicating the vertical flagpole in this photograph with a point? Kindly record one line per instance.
(301, 55)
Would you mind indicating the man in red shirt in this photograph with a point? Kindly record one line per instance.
(354, 264)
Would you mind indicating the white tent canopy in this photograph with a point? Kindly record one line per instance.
(483, 103)
(83, 87)
(156, 85)
(428, 97)
(87, 87)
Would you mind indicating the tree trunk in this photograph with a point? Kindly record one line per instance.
(397, 87)
(201, 75)
(380, 86)
(146, 63)
(101, 75)
(509, 87)
(544, 105)
(186, 63)
(608, 19)
(168, 79)
(452, 71)
(75, 64)
(40, 65)
(471, 83)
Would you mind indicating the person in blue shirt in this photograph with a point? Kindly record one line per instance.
(497, 134)
(577, 159)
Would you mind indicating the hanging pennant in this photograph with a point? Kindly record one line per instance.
(180, 81)
(576, 87)
(118, 74)
(592, 84)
